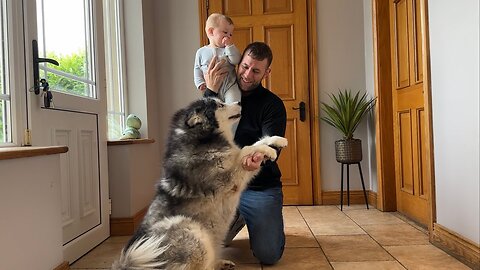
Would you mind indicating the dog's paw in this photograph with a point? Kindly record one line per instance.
(275, 141)
(278, 141)
(267, 151)
(225, 265)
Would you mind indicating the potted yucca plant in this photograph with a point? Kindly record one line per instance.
(345, 114)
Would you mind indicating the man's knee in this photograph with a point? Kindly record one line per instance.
(268, 255)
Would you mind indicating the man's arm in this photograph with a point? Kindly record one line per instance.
(274, 121)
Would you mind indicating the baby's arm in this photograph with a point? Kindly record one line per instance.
(198, 78)
(233, 54)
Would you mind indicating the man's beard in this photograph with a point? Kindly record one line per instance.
(250, 86)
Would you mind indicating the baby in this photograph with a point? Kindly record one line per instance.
(219, 29)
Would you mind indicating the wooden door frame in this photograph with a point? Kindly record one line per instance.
(314, 109)
(386, 193)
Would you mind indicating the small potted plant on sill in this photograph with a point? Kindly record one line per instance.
(345, 114)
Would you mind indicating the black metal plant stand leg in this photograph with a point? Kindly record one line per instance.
(348, 185)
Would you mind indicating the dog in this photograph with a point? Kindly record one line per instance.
(197, 197)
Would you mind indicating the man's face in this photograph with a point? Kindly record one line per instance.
(251, 72)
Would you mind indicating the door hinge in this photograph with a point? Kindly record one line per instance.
(27, 137)
(110, 206)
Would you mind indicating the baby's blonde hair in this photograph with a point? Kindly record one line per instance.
(214, 20)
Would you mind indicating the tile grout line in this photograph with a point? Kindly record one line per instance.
(376, 240)
(316, 240)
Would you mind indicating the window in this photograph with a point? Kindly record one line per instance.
(5, 97)
(68, 43)
(115, 68)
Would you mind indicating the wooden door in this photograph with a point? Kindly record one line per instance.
(412, 183)
(283, 26)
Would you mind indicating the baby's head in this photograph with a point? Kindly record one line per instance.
(219, 29)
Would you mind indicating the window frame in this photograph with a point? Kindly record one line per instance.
(115, 65)
(16, 72)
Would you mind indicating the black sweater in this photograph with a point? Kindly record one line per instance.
(263, 114)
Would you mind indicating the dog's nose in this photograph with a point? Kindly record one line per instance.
(239, 103)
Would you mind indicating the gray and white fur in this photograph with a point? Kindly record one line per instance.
(196, 199)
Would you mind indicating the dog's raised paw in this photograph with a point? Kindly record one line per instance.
(225, 265)
(268, 152)
(278, 141)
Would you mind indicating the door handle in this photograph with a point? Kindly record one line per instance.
(301, 107)
(36, 71)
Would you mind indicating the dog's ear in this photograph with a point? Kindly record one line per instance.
(193, 119)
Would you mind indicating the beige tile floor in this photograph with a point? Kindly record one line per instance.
(323, 237)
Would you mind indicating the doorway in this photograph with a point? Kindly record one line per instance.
(403, 119)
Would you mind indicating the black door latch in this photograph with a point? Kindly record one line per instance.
(302, 111)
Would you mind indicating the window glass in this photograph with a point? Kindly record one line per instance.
(65, 37)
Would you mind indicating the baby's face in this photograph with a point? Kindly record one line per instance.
(222, 34)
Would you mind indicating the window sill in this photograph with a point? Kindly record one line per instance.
(130, 141)
(30, 151)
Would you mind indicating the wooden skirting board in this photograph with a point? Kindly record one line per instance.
(126, 226)
(456, 245)
(63, 266)
(356, 197)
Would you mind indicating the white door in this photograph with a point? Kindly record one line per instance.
(71, 32)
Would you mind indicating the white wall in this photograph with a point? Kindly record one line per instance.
(30, 205)
(177, 39)
(454, 52)
(133, 171)
(341, 65)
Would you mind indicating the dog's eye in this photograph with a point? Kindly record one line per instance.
(220, 105)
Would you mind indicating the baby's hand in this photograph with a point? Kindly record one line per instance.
(227, 41)
(202, 87)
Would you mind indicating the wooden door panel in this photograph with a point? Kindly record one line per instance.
(236, 8)
(422, 140)
(405, 151)
(282, 24)
(243, 37)
(280, 41)
(277, 6)
(401, 44)
(418, 44)
(287, 157)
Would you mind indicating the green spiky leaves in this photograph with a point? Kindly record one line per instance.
(347, 111)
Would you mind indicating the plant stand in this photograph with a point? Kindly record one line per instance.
(348, 184)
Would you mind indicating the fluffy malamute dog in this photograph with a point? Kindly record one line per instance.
(197, 198)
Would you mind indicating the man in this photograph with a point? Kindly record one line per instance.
(263, 113)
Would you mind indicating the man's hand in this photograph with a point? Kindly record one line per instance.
(215, 75)
(252, 162)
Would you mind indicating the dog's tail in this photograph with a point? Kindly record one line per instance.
(142, 254)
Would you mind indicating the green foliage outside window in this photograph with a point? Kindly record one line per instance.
(74, 64)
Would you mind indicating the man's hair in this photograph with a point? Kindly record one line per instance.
(214, 20)
(259, 51)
